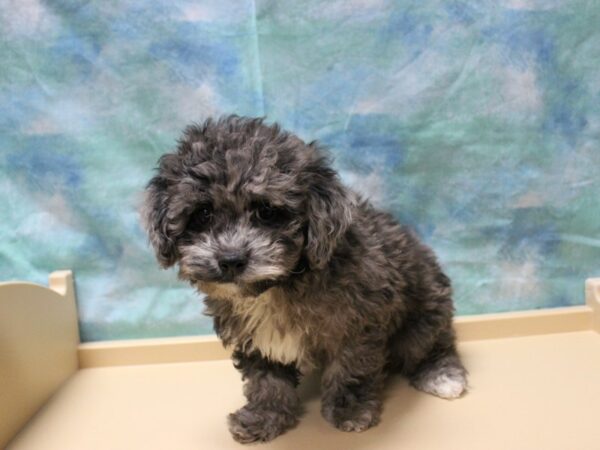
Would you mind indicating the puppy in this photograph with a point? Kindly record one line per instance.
(299, 273)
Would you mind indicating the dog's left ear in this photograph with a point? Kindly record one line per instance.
(330, 210)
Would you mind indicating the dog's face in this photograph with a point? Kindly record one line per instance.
(239, 237)
(242, 202)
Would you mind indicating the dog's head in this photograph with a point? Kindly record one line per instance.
(244, 202)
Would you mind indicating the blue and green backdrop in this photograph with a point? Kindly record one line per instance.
(477, 123)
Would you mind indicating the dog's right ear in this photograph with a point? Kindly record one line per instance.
(154, 217)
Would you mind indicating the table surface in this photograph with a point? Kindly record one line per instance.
(536, 392)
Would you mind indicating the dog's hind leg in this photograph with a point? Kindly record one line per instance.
(424, 348)
(425, 351)
(441, 373)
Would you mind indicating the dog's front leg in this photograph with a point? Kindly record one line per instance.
(351, 387)
(273, 404)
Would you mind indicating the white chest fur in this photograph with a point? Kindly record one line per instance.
(266, 322)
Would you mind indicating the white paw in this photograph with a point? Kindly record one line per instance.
(444, 386)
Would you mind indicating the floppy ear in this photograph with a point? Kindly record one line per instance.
(154, 217)
(329, 209)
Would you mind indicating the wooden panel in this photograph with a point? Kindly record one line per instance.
(523, 323)
(151, 351)
(38, 347)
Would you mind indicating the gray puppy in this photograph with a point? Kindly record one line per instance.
(300, 273)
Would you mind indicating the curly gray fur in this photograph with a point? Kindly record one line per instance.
(299, 272)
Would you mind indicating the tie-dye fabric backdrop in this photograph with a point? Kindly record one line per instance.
(478, 123)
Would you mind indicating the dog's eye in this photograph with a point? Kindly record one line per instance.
(269, 215)
(200, 218)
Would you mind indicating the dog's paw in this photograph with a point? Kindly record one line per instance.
(443, 385)
(358, 417)
(249, 425)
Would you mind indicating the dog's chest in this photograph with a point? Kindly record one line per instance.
(267, 326)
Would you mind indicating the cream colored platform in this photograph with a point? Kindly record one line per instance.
(539, 391)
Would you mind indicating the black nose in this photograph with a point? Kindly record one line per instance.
(232, 264)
